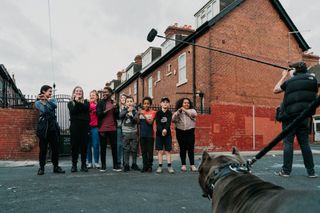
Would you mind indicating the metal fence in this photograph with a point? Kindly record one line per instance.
(17, 102)
(173, 109)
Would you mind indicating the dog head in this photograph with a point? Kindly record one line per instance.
(210, 163)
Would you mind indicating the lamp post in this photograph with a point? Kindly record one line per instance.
(289, 44)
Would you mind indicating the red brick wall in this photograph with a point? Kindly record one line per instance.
(256, 30)
(232, 125)
(17, 134)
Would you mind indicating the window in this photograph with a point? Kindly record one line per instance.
(159, 76)
(150, 87)
(135, 88)
(182, 74)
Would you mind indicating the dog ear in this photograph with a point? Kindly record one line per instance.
(205, 156)
(236, 152)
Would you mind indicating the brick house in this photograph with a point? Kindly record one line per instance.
(238, 91)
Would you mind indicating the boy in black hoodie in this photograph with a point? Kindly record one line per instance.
(163, 135)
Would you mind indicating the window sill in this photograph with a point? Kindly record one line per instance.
(182, 83)
(169, 73)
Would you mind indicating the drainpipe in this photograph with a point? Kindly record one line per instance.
(194, 89)
(253, 127)
(137, 82)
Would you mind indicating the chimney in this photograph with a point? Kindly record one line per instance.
(138, 59)
(119, 74)
(13, 79)
(175, 29)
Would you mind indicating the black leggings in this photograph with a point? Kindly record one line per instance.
(186, 142)
(79, 140)
(54, 146)
(110, 137)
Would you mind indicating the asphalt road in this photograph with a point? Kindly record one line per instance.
(21, 190)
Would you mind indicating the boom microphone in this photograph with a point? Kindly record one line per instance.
(152, 34)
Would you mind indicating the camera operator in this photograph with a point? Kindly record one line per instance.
(299, 92)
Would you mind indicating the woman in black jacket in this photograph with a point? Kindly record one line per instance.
(79, 128)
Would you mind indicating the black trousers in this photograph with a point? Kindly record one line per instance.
(54, 145)
(186, 140)
(79, 140)
(111, 137)
(147, 146)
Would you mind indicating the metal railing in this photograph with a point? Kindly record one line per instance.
(17, 102)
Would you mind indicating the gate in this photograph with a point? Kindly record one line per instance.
(63, 119)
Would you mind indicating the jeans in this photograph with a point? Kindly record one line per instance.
(119, 145)
(94, 142)
(302, 133)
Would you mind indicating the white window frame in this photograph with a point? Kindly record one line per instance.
(150, 87)
(135, 88)
(182, 69)
(158, 76)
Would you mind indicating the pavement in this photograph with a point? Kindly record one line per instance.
(21, 190)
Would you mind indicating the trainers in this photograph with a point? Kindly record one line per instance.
(312, 175)
(170, 170)
(84, 168)
(97, 165)
(282, 174)
(149, 169)
(193, 168)
(103, 168)
(58, 169)
(89, 165)
(40, 171)
(117, 169)
(135, 167)
(159, 170)
(183, 168)
(74, 168)
(126, 168)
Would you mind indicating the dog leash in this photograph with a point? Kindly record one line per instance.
(306, 113)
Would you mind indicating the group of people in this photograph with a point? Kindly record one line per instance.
(124, 125)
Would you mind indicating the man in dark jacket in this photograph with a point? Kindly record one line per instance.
(299, 92)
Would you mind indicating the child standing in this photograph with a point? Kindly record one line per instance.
(163, 135)
(146, 120)
(94, 141)
(129, 117)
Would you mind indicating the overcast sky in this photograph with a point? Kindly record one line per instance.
(94, 39)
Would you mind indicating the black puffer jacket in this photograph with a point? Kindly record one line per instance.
(300, 91)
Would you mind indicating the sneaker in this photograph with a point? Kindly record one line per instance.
(74, 168)
(97, 165)
(159, 170)
(312, 175)
(103, 168)
(149, 169)
(40, 171)
(282, 174)
(58, 169)
(183, 168)
(89, 165)
(126, 168)
(193, 168)
(144, 169)
(117, 169)
(84, 168)
(170, 170)
(135, 167)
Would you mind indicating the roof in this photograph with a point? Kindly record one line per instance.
(207, 25)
